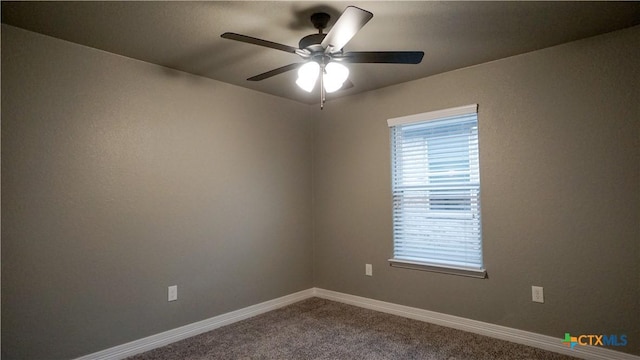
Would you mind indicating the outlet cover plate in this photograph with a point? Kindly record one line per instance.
(173, 293)
(537, 294)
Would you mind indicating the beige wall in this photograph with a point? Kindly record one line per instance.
(120, 178)
(560, 172)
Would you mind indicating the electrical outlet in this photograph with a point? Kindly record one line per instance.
(537, 294)
(368, 269)
(173, 293)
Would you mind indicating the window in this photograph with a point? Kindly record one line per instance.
(436, 192)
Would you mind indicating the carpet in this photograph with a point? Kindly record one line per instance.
(321, 329)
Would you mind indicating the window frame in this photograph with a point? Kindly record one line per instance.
(471, 271)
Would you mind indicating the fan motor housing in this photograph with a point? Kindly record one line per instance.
(308, 42)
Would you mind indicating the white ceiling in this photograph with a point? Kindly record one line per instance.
(186, 35)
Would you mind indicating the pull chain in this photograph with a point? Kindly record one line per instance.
(322, 92)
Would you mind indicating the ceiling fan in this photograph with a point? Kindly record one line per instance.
(323, 53)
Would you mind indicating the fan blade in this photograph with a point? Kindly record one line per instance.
(260, 42)
(349, 23)
(388, 57)
(275, 72)
(347, 85)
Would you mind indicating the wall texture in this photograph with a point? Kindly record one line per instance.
(560, 172)
(120, 178)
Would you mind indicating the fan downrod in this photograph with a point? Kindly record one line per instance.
(312, 42)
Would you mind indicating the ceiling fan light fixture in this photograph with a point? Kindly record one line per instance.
(308, 75)
(320, 51)
(335, 74)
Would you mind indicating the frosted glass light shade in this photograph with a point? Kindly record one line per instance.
(308, 75)
(335, 75)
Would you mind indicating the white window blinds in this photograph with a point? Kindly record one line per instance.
(436, 190)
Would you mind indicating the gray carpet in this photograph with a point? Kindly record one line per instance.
(322, 329)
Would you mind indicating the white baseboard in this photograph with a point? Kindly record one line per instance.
(155, 341)
(478, 327)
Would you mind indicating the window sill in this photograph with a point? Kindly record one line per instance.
(405, 264)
